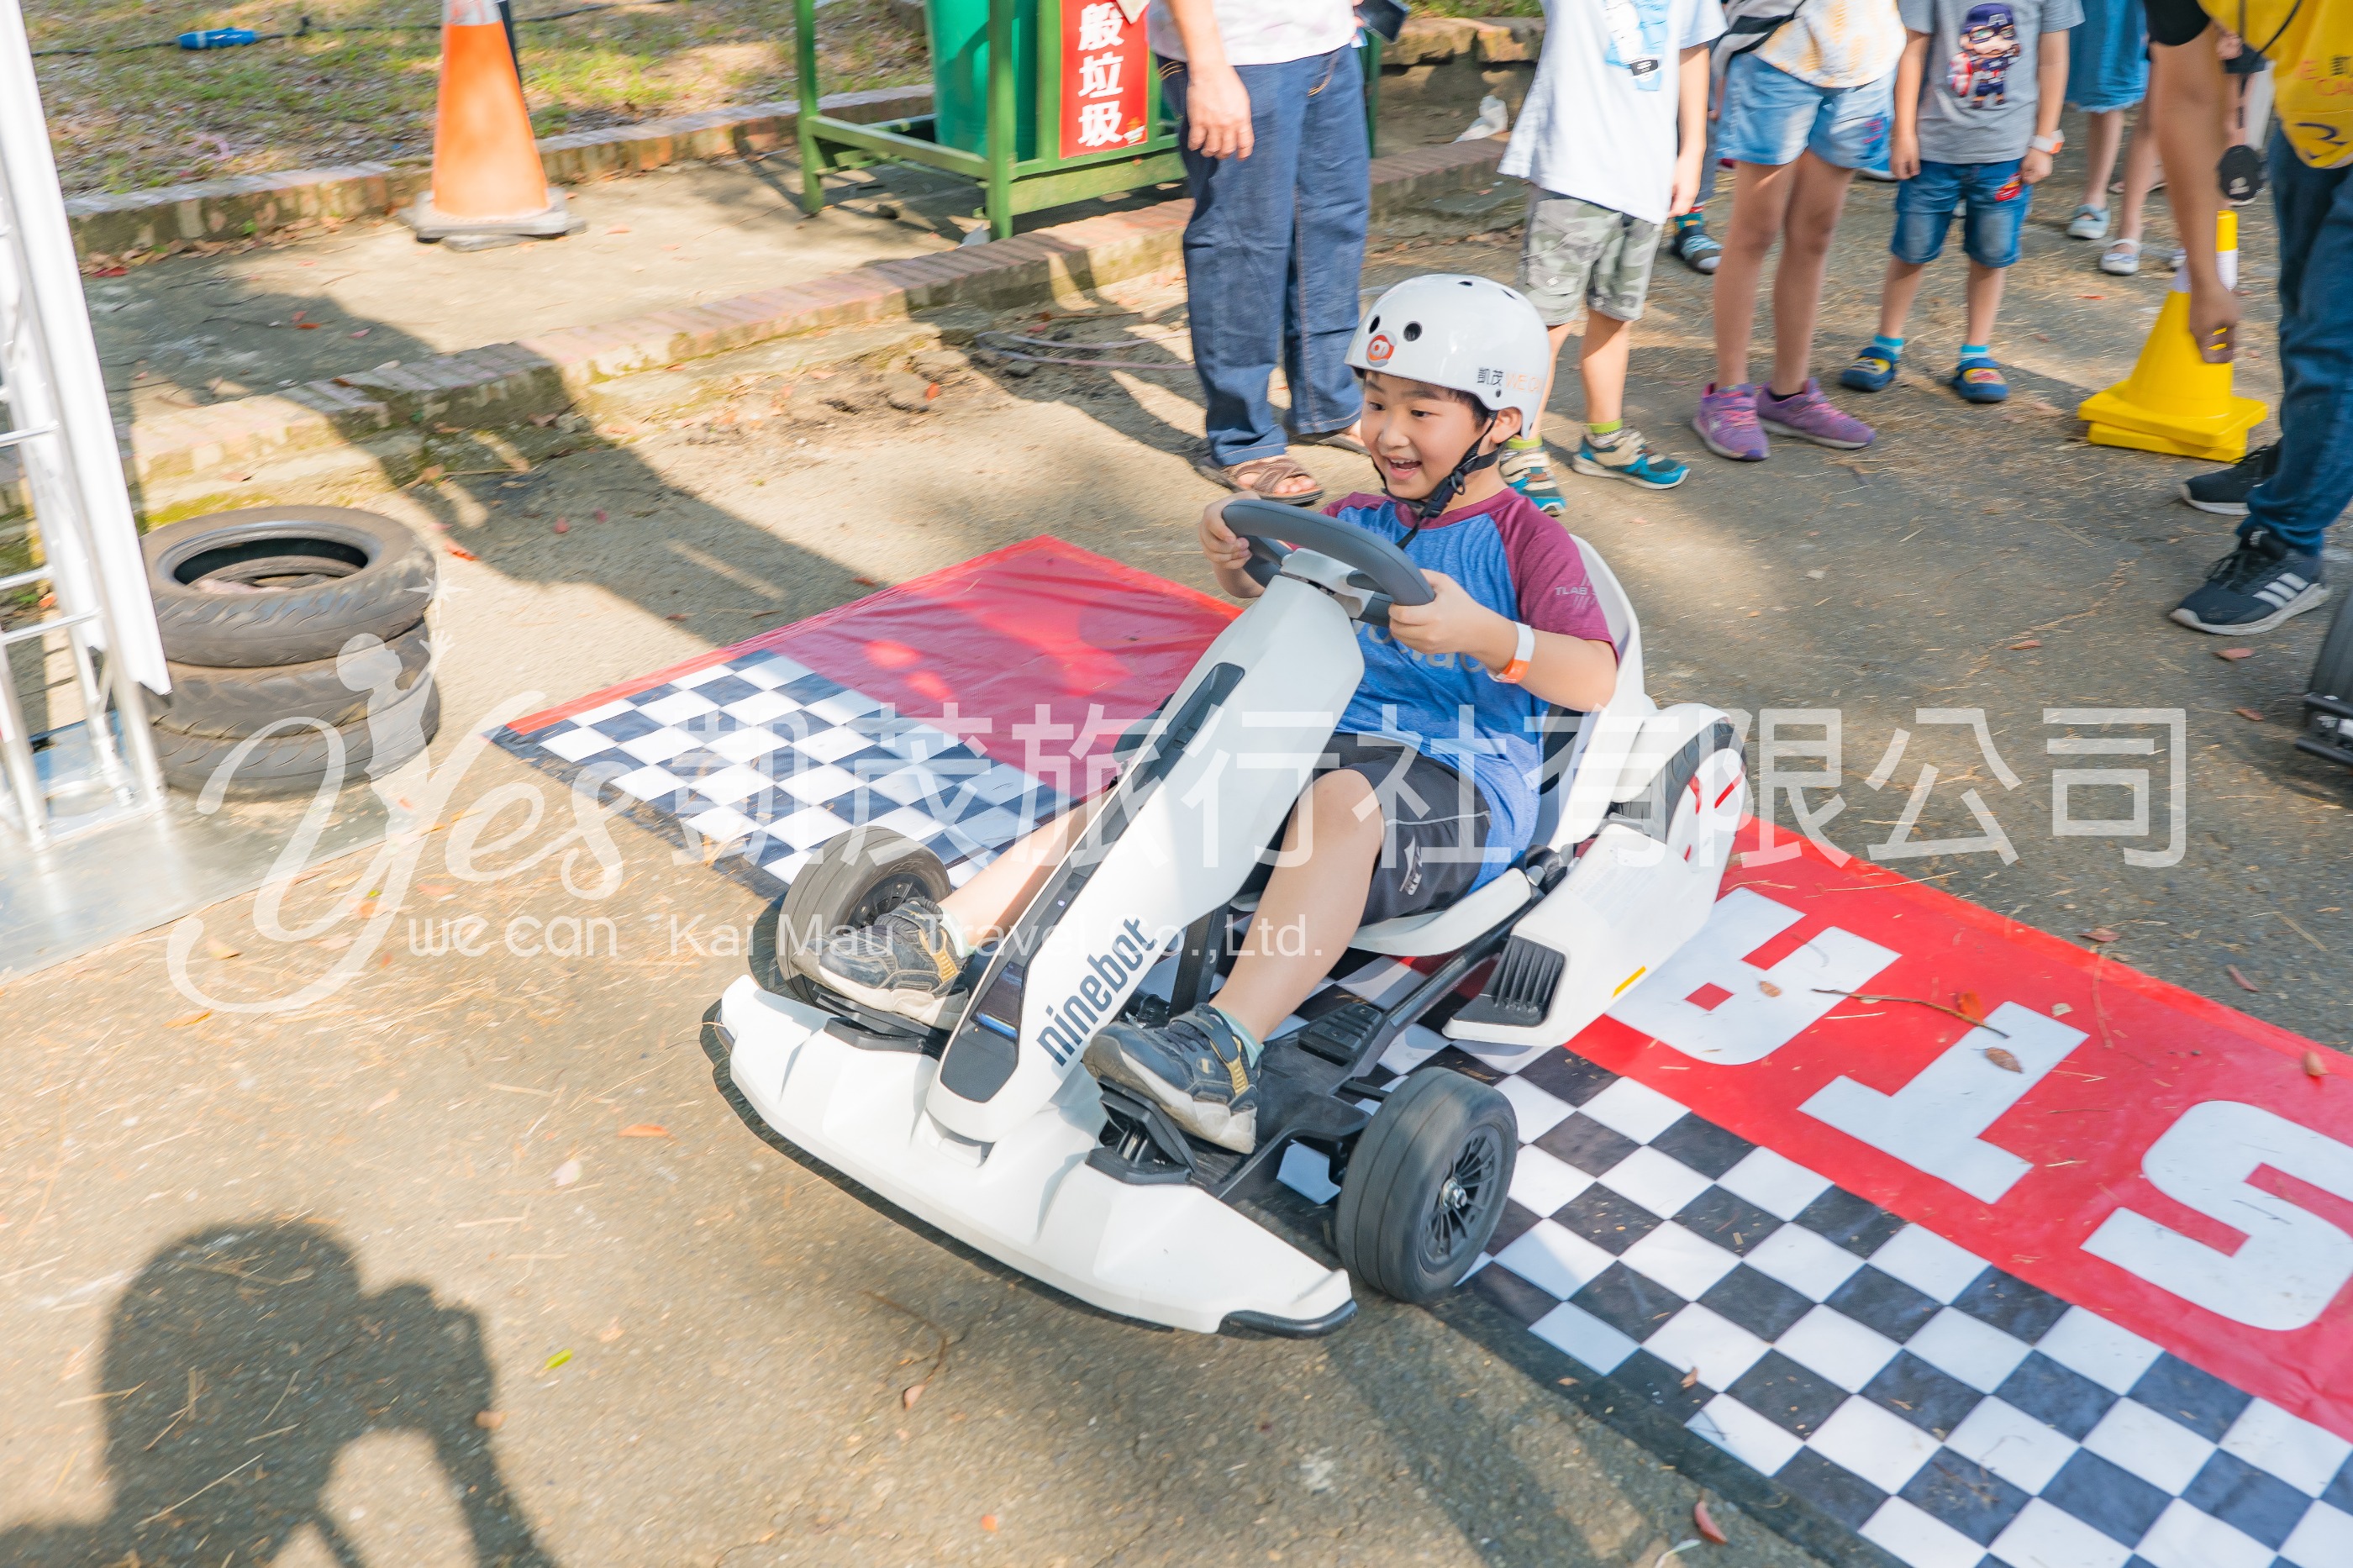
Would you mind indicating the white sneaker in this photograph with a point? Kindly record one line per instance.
(2122, 258)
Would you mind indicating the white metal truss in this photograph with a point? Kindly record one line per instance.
(86, 569)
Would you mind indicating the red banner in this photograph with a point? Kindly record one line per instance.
(1104, 62)
(2173, 1164)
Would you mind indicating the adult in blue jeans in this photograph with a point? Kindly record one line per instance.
(1269, 99)
(2292, 492)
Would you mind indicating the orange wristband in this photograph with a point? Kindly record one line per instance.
(1525, 650)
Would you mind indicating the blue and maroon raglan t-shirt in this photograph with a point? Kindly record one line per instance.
(1521, 564)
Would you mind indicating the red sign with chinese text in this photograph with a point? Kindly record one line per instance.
(1104, 62)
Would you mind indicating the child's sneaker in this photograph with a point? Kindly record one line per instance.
(905, 962)
(1199, 1066)
(1809, 415)
(1978, 380)
(1726, 421)
(1526, 470)
(1695, 246)
(1874, 368)
(1624, 455)
(2255, 588)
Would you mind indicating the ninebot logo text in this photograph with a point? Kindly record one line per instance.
(1069, 1023)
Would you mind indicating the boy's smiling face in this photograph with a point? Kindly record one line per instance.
(1417, 433)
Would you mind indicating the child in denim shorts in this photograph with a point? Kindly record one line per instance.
(1978, 98)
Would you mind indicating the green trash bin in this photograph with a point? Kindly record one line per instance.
(959, 34)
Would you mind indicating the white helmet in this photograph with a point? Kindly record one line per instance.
(1472, 335)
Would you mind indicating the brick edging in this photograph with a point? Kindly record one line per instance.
(221, 454)
(245, 205)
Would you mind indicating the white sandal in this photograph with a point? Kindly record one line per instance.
(2122, 258)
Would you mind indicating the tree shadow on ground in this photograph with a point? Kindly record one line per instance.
(240, 1363)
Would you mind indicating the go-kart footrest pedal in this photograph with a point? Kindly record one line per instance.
(1519, 993)
(1340, 1035)
(1141, 1146)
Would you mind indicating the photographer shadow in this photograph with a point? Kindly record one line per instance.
(239, 1365)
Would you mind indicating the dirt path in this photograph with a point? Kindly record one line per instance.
(272, 1283)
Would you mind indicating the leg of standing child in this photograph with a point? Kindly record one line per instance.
(2122, 258)
(1760, 199)
(1896, 296)
(1816, 198)
(1984, 299)
(2103, 134)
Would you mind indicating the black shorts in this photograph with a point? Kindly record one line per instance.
(1437, 822)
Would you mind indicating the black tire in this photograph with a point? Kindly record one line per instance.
(234, 703)
(2332, 672)
(1425, 1187)
(1653, 810)
(858, 877)
(322, 575)
(294, 761)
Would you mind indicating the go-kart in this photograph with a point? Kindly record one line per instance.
(987, 1127)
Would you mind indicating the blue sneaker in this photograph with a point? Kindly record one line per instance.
(1873, 369)
(1525, 470)
(1978, 380)
(1199, 1066)
(1625, 455)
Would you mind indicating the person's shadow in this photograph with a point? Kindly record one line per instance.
(240, 1363)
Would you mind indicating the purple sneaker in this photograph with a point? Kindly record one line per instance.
(1726, 421)
(1810, 416)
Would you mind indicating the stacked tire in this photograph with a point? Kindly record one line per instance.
(297, 634)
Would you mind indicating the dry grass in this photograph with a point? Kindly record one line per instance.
(157, 116)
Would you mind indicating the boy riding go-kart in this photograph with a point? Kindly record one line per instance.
(1488, 789)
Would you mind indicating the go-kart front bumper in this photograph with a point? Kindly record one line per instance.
(1167, 1254)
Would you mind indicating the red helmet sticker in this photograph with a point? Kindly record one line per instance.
(1379, 349)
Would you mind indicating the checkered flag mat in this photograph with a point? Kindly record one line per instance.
(1953, 1415)
(758, 760)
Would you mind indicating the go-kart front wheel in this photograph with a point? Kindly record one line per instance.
(1424, 1189)
(857, 879)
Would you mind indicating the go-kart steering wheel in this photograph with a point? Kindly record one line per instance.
(1274, 529)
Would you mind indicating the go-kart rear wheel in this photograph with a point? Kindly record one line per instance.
(1425, 1186)
(858, 877)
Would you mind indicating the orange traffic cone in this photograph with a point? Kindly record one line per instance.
(489, 187)
(2173, 401)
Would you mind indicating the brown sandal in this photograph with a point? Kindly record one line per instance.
(1256, 476)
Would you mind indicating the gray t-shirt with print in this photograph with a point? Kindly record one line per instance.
(1979, 92)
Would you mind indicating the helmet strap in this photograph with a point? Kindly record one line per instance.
(1431, 507)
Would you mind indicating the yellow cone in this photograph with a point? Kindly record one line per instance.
(2173, 401)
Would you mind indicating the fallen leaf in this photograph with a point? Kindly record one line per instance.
(2022, 646)
(2244, 984)
(2060, 1009)
(619, 228)
(430, 472)
(462, 554)
(489, 1420)
(2101, 933)
(108, 271)
(191, 1018)
(2003, 1060)
(988, 1522)
(2315, 1066)
(567, 1172)
(562, 526)
(1691, 1378)
(558, 1359)
(2234, 654)
(909, 1394)
(645, 1130)
(868, 582)
(1707, 1525)
(1969, 1006)
(308, 326)
(680, 615)
(1563, 1382)
(220, 948)
(609, 1333)
(1767, 987)
(362, 332)
(2248, 714)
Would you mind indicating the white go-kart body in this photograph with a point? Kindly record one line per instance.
(994, 1137)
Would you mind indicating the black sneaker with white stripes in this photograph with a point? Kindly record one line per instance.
(2255, 588)
(2224, 492)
